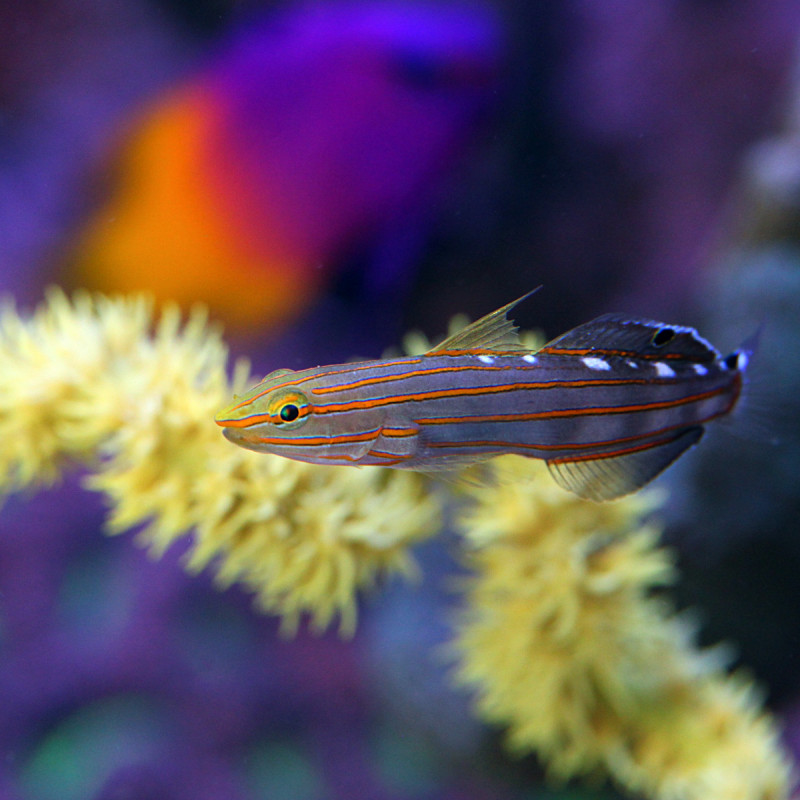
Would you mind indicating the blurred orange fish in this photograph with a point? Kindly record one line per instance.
(306, 138)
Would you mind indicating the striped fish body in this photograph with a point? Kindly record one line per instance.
(608, 405)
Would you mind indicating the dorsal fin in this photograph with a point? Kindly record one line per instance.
(643, 337)
(495, 331)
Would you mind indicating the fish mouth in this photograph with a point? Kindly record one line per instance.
(237, 437)
(231, 434)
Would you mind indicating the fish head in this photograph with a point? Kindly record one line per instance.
(289, 414)
(271, 410)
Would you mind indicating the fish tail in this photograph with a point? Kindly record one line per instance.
(755, 415)
(741, 357)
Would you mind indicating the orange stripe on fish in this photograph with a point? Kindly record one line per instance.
(570, 445)
(464, 391)
(345, 369)
(311, 441)
(562, 351)
(576, 412)
(403, 376)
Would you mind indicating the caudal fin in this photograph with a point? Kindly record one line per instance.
(756, 416)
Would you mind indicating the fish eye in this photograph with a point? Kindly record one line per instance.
(663, 336)
(288, 408)
(289, 412)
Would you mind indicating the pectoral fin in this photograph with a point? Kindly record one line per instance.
(606, 477)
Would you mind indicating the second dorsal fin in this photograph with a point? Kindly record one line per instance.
(495, 331)
(641, 337)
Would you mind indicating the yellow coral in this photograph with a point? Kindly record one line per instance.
(95, 376)
(564, 642)
(49, 368)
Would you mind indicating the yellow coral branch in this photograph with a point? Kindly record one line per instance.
(96, 379)
(564, 643)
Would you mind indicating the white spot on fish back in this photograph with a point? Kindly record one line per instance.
(632, 364)
(699, 369)
(531, 359)
(664, 370)
(596, 363)
(486, 359)
(741, 360)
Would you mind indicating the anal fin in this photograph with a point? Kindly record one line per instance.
(606, 477)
